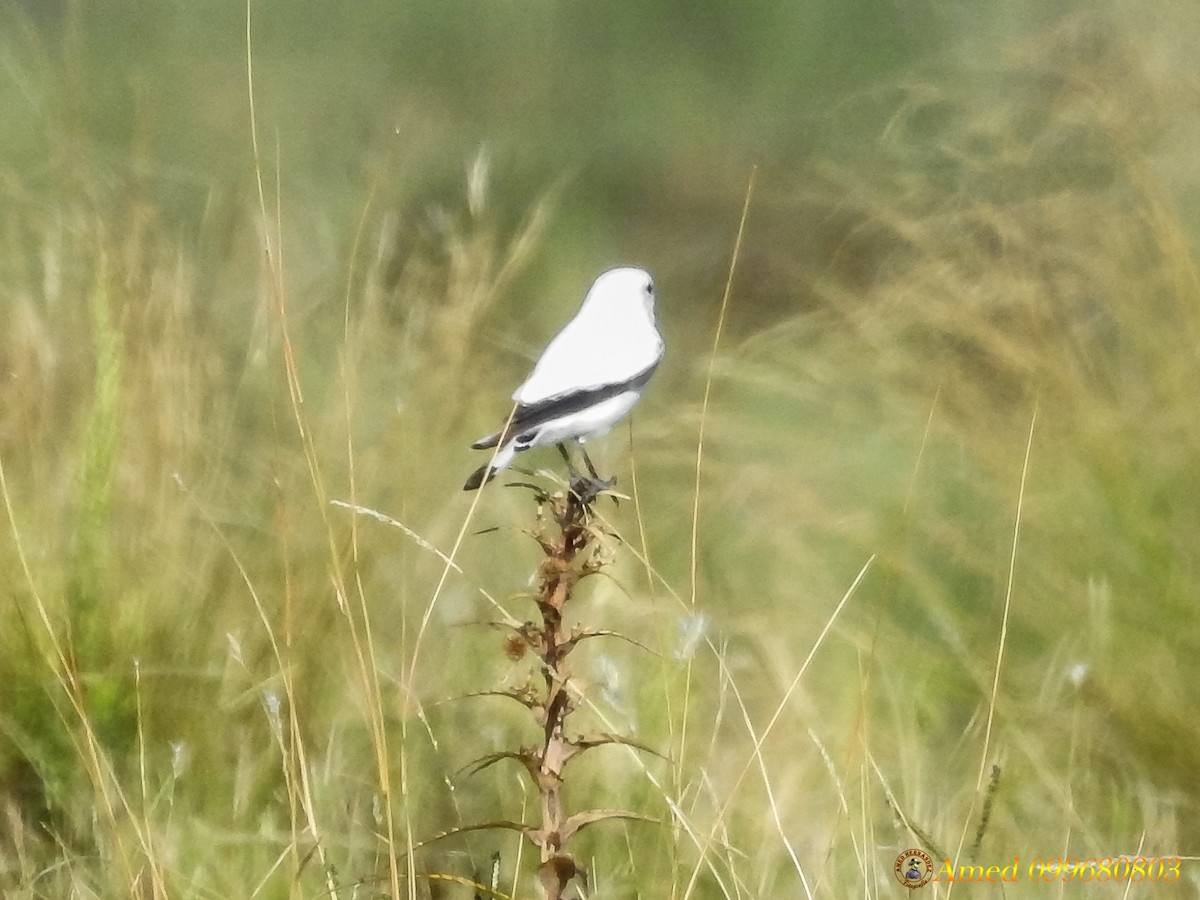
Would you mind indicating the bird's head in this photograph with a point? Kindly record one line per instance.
(625, 285)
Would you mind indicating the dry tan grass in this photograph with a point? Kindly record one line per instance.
(215, 682)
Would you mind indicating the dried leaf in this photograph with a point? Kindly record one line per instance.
(581, 820)
(582, 634)
(500, 824)
(526, 756)
(588, 741)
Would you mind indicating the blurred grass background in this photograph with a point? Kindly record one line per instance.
(210, 679)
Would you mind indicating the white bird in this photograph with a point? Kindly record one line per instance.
(588, 378)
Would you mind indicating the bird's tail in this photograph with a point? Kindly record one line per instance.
(479, 478)
(487, 443)
(490, 469)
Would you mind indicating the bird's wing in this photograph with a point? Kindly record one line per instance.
(531, 417)
(591, 352)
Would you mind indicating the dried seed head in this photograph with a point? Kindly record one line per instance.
(515, 646)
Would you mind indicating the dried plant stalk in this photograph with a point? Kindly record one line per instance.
(567, 561)
(574, 548)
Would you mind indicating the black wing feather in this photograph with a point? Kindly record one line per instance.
(530, 417)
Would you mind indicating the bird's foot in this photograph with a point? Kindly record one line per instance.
(586, 489)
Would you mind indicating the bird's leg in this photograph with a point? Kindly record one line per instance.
(603, 483)
(587, 460)
(579, 485)
(562, 451)
(587, 489)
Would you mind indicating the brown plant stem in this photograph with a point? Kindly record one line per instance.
(574, 547)
(566, 562)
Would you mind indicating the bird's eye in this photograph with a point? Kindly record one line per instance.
(650, 288)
